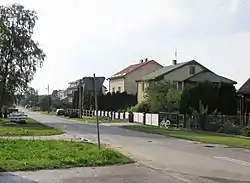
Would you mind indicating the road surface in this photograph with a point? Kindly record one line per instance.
(180, 159)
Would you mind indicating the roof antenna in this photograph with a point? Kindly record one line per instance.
(175, 55)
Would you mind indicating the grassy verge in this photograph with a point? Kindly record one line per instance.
(46, 112)
(205, 137)
(21, 155)
(31, 128)
(93, 120)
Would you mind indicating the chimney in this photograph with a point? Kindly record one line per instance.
(141, 61)
(146, 59)
(174, 62)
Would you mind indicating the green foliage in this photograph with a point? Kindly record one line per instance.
(220, 97)
(162, 97)
(116, 101)
(45, 103)
(21, 155)
(144, 106)
(31, 97)
(20, 54)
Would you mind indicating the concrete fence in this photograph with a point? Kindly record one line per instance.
(135, 117)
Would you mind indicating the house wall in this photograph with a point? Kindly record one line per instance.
(130, 79)
(177, 75)
(181, 73)
(116, 83)
(141, 90)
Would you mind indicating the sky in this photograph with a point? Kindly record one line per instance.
(82, 37)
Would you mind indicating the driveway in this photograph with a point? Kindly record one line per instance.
(180, 159)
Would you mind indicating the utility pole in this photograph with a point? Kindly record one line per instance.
(96, 109)
(48, 98)
(80, 98)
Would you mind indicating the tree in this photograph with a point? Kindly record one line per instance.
(45, 103)
(20, 55)
(219, 97)
(163, 97)
(31, 97)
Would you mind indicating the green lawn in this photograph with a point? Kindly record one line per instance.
(31, 128)
(21, 155)
(93, 120)
(205, 137)
(46, 112)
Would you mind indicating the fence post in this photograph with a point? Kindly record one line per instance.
(144, 118)
(185, 121)
(177, 120)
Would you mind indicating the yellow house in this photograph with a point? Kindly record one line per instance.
(180, 74)
(125, 80)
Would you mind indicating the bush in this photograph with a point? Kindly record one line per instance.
(66, 113)
(73, 114)
(245, 131)
(213, 126)
(230, 128)
(144, 106)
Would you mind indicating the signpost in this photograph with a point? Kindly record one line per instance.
(96, 109)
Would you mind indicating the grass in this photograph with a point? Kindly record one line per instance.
(22, 155)
(205, 137)
(31, 128)
(46, 112)
(93, 120)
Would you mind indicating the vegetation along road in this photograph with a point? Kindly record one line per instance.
(174, 156)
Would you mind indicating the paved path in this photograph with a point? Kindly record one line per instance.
(168, 157)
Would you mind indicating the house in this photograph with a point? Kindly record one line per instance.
(180, 74)
(73, 86)
(125, 80)
(244, 98)
(85, 82)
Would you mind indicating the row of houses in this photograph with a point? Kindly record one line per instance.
(135, 78)
(68, 93)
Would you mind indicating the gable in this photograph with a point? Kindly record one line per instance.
(245, 88)
(133, 68)
(168, 69)
(210, 77)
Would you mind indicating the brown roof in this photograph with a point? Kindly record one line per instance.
(245, 88)
(132, 68)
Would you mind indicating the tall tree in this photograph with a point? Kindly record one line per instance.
(20, 55)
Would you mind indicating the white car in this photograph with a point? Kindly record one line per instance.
(18, 117)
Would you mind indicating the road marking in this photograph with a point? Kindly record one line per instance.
(233, 160)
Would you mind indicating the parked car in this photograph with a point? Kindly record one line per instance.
(18, 117)
(60, 112)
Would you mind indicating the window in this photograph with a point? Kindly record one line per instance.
(175, 84)
(179, 85)
(119, 88)
(113, 89)
(192, 70)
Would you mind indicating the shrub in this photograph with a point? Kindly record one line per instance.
(245, 131)
(144, 106)
(73, 114)
(230, 128)
(214, 126)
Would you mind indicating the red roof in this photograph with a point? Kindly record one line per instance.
(132, 68)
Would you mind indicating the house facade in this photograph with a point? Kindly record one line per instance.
(85, 82)
(180, 74)
(125, 80)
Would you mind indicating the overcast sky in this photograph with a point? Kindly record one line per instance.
(82, 37)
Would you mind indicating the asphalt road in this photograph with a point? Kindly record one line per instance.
(180, 159)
